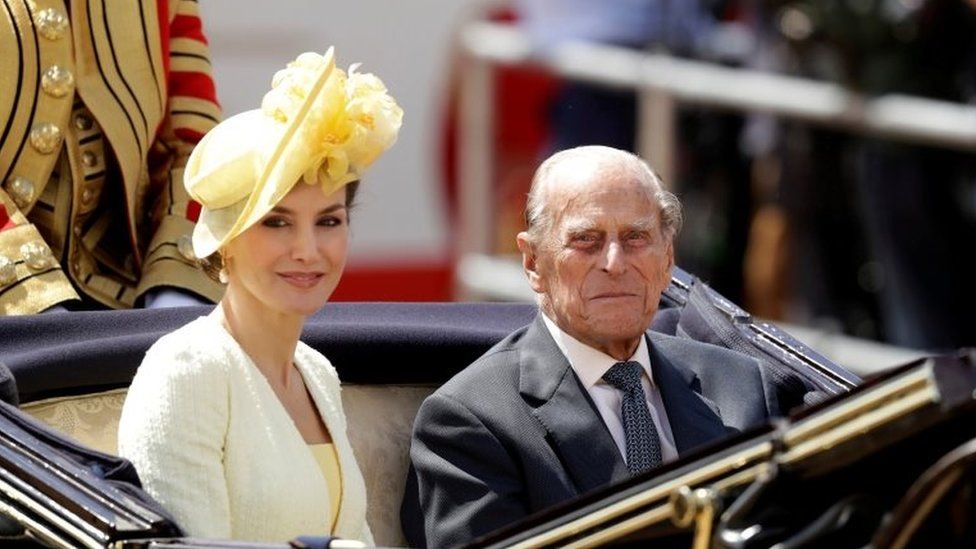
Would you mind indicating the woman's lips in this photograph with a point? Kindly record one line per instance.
(301, 279)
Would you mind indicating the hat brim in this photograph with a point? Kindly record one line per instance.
(278, 176)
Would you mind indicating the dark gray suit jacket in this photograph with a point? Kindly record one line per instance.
(516, 431)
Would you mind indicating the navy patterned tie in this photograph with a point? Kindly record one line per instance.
(643, 444)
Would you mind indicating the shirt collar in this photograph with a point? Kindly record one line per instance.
(589, 363)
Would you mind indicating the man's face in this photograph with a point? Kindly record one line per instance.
(604, 263)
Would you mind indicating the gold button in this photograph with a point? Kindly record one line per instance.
(77, 230)
(83, 122)
(36, 255)
(89, 159)
(86, 195)
(57, 81)
(45, 138)
(8, 270)
(76, 268)
(21, 190)
(51, 23)
(185, 247)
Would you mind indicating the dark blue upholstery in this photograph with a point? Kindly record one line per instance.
(379, 343)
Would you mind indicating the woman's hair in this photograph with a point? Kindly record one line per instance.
(212, 264)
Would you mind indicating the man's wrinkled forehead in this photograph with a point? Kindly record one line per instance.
(579, 222)
(581, 201)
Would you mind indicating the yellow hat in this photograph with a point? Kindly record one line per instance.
(317, 124)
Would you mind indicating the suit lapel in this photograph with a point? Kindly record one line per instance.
(694, 420)
(560, 403)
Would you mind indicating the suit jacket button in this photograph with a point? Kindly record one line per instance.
(51, 23)
(57, 81)
(36, 255)
(89, 159)
(83, 122)
(45, 138)
(8, 270)
(21, 190)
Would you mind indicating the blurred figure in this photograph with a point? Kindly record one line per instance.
(902, 272)
(102, 105)
(584, 114)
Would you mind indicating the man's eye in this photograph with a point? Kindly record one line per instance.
(274, 222)
(584, 240)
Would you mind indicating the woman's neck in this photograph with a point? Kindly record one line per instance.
(268, 337)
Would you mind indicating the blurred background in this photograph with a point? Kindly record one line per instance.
(824, 150)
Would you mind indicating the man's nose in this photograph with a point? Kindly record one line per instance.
(613, 258)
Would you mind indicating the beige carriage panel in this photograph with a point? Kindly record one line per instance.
(380, 423)
(91, 419)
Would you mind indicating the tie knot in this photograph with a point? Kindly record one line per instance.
(625, 376)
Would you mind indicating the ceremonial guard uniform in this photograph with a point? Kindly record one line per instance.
(100, 105)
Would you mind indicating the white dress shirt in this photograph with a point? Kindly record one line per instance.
(590, 365)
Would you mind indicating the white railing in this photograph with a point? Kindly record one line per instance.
(663, 84)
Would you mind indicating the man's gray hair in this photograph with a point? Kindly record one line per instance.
(539, 219)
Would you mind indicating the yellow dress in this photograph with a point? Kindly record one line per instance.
(328, 460)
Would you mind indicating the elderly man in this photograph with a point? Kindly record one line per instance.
(584, 396)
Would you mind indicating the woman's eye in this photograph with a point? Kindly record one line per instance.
(274, 222)
(330, 221)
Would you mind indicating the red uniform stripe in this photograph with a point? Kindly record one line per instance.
(188, 26)
(193, 211)
(5, 221)
(193, 84)
(188, 135)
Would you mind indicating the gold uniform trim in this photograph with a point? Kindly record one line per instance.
(165, 263)
(125, 90)
(36, 289)
(43, 55)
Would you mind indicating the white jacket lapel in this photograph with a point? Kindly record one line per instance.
(323, 385)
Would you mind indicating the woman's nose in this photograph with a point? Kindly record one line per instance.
(304, 247)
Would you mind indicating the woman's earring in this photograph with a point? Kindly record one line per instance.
(222, 275)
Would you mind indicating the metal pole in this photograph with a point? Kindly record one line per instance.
(657, 132)
(475, 162)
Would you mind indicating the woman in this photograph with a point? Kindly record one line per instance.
(234, 425)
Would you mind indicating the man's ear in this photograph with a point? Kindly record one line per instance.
(666, 274)
(529, 261)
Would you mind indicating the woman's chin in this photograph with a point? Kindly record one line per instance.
(306, 307)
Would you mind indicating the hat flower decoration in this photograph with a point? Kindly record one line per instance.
(317, 124)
